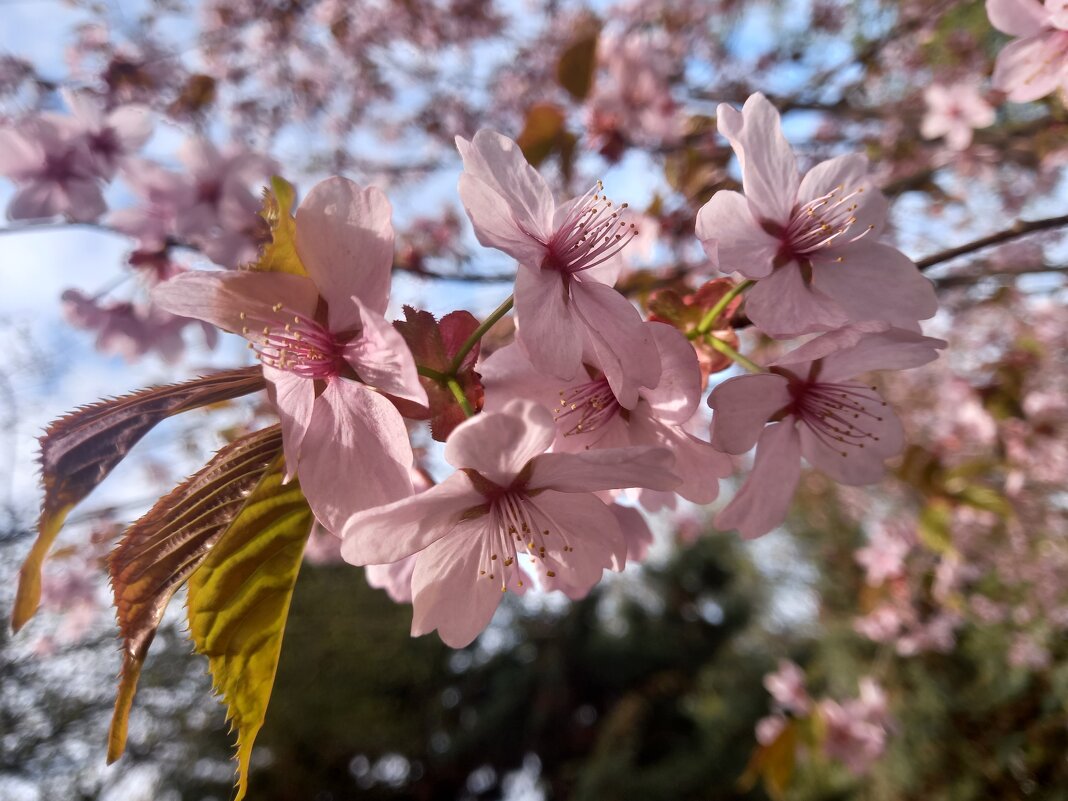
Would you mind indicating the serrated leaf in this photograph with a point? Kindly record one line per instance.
(78, 451)
(280, 254)
(239, 600)
(160, 551)
(577, 65)
(434, 344)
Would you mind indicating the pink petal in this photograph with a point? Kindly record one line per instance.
(635, 530)
(20, 155)
(497, 161)
(500, 444)
(612, 468)
(397, 530)
(133, 126)
(624, 347)
(36, 201)
(447, 594)
(355, 454)
(877, 282)
(893, 349)
(733, 238)
(220, 298)
(676, 395)
(698, 464)
(547, 328)
(586, 525)
(769, 170)
(762, 502)
(293, 398)
(381, 357)
(495, 223)
(395, 579)
(507, 374)
(849, 464)
(345, 241)
(784, 306)
(743, 405)
(84, 200)
(1017, 17)
(1031, 68)
(848, 174)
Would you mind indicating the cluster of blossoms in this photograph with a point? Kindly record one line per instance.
(1032, 65)
(989, 550)
(590, 399)
(852, 733)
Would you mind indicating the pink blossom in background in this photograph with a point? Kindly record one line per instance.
(110, 136)
(954, 112)
(769, 728)
(816, 410)
(856, 731)
(567, 254)
(810, 244)
(1036, 63)
(220, 212)
(162, 194)
(589, 415)
(883, 558)
(508, 503)
(332, 361)
(54, 172)
(787, 687)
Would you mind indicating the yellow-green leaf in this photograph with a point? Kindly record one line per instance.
(162, 549)
(239, 600)
(78, 451)
(543, 131)
(774, 763)
(280, 254)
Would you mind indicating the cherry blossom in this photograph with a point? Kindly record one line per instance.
(810, 244)
(590, 415)
(955, 112)
(857, 729)
(54, 171)
(1033, 65)
(508, 502)
(110, 136)
(331, 359)
(564, 300)
(787, 687)
(816, 410)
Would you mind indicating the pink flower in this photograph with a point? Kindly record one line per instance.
(810, 244)
(856, 730)
(769, 728)
(884, 556)
(508, 502)
(787, 687)
(163, 194)
(1035, 64)
(590, 415)
(330, 358)
(564, 301)
(110, 136)
(817, 411)
(53, 170)
(220, 213)
(954, 112)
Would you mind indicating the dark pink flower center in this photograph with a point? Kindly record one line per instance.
(587, 407)
(839, 415)
(295, 343)
(822, 223)
(591, 234)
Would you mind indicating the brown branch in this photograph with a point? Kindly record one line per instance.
(1018, 230)
(964, 279)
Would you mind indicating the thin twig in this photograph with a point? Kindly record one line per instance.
(1018, 230)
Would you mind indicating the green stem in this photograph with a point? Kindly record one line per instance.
(430, 373)
(478, 333)
(713, 314)
(461, 398)
(734, 355)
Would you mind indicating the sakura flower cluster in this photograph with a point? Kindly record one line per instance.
(591, 404)
(852, 733)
